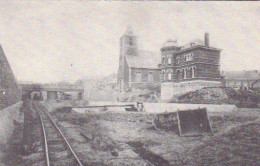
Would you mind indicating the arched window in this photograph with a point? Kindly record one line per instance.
(177, 60)
(178, 75)
(169, 76)
(131, 42)
(169, 60)
(184, 76)
(138, 77)
(193, 74)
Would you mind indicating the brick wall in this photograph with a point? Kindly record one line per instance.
(145, 72)
(7, 83)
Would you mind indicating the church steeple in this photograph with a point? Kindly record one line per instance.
(129, 31)
(128, 43)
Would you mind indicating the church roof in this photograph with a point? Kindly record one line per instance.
(242, 75)
(144, 59)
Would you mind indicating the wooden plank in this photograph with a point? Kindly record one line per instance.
(97, 106)
(179, 122)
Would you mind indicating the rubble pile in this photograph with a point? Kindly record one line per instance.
(216, 95)
(142, 94)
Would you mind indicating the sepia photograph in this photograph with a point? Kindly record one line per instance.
(115, 83)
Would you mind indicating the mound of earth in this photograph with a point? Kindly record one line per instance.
(216, 95)
(149, 93)
(237, 146)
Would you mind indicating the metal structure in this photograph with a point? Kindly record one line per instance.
(52, 132)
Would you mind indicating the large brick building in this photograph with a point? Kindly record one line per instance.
(189, 67)
(136, 67)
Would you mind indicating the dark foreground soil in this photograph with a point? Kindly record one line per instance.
(123, 138)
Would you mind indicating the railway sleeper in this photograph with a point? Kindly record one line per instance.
(57, 148)
(55, 141)
(55, 156)
(65, 162)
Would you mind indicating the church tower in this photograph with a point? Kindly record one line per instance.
(128, 43)
(128, 47)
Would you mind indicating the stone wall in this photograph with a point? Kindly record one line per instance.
(168, 90)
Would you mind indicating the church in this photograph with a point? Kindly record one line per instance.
(136, 67)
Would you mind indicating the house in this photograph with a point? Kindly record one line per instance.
(136, 67)
(190, 67)
(242, 79)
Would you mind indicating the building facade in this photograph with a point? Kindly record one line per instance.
(189, 67)
(242, 79)
(136, 67)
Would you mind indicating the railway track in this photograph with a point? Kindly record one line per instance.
(58, 151)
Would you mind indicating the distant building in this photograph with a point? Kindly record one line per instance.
(242, 79)
(136, 67)
(189, 67)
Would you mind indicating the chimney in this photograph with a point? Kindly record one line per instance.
(206, 38)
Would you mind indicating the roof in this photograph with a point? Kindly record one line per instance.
(193, 42)
(144, 59)
(242, 75)
(170, 43)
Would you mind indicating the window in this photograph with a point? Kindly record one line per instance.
(178, 74)
(189, 57)
(162, 75)
(139, 77)
(177, 60)
(131, 41)
(193, 69)
(169, 60)
(169, 76)
(150, 77)
(184, 76)
(163, 60)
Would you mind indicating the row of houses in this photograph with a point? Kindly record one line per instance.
(178, 69)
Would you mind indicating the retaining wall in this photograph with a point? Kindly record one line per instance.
(8, 117)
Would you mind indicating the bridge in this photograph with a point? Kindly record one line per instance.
(52, 91)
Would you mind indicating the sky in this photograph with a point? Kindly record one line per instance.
(65, 41)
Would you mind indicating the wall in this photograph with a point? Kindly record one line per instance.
(145, 72)
(7, 118)
(168, 90)
(8, 83)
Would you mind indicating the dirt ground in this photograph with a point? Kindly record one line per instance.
(112, 138)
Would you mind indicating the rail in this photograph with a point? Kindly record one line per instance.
(63, 137)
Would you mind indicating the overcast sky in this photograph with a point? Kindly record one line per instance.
(54, 41)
